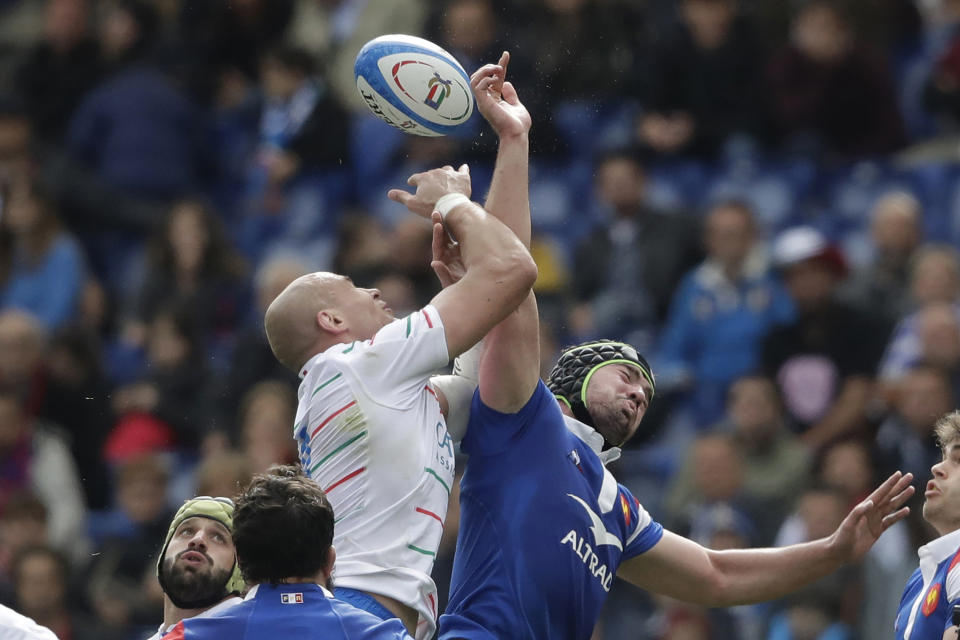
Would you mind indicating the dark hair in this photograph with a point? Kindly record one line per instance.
(38, 240)
(627, 154)
(282, 526)
(219, 258)
(291, 58)
(24, 554)
(24, 504)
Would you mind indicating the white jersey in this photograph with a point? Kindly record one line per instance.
(370, 433)
(14, 626)
(217, 608)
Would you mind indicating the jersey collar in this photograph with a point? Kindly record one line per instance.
(936, 551)
(592, 439)
(252, 593)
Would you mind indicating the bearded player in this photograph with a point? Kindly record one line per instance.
(197, 567)
(370, 423)
(544, 527)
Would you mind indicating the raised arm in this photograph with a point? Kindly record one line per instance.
(682, 569)
(510, 368)
(498, 269)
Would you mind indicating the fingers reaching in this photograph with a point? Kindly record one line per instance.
(399, 195)
(464, 168)
(894, 517)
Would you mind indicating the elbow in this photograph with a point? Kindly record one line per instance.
(717, 588)
(516, 273)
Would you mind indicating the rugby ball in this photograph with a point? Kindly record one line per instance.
(413, 85)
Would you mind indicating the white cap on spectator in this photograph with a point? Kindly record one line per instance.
(798, 244)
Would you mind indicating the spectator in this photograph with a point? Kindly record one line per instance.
(266, 419)
(122, 585)
(252, 360)
(24, 523)
(42, 267)
(172, 384)
(825, 360)
(626, 270)
(939, 337)
(299, 135)
(906, 439)
(224, 473)
(77, 399)
(42, 586)
(722, 311)
(831, 601)
(226, 40)
(776, 464)
(934, 281)
(827, 85)
(705, 83)
(22, 352)
(895, 232)
(61, 69)
(562, 35)
(302, 126)
(191, 265)
(16, 140)
(776, 467)
(712, 474)
(136, 130)
(34, 456)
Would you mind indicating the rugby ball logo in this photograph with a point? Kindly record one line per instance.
(414, 85)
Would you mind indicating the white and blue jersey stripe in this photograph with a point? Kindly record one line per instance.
(543, 526)
(931, 591)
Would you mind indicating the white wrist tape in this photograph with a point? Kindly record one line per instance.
(448, 202)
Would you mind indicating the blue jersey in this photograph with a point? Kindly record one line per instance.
(289, 611)
(931, 591)
(543, 527)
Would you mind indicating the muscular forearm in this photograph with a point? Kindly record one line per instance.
(488, 247)
(508, 196)
(756, 575)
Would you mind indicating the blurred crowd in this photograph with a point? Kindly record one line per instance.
(762, 195)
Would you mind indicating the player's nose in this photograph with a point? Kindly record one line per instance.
(375, 293)
(198, 541)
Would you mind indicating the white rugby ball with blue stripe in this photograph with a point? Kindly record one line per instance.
(413, 85)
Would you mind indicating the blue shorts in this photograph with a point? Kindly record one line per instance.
(364, 601)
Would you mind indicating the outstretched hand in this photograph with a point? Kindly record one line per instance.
(869, 519)
(497, 99)
(447, 262)
(431, 186)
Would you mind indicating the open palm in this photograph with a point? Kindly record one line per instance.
(869, 519)
(497, 99)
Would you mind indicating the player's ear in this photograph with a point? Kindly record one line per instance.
(331, 321)
(331, 562)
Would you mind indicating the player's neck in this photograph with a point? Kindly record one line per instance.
(565, 409)
(173, 614)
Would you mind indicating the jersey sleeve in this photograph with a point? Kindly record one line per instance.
(401, 357)
(642, 531)
(490, 432)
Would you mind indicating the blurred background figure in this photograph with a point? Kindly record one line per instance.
(824, 361)
(721, 312)
(704, 85)
(168, 167)
(826, 85)
(626, 269)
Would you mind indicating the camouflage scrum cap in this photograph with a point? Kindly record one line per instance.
(219, 510)
(576, 365)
